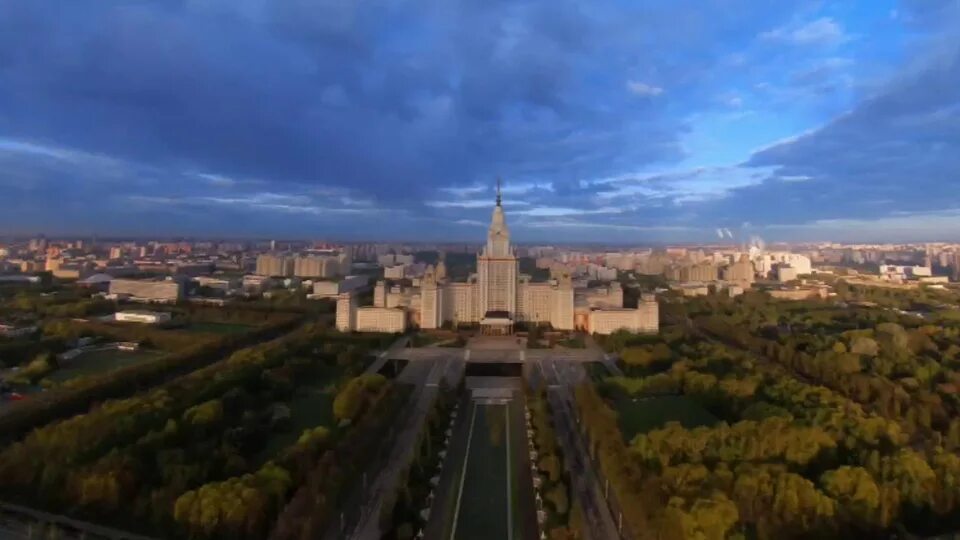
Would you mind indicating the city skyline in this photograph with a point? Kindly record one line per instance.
(793, 121)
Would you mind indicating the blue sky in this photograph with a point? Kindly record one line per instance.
(609, 120)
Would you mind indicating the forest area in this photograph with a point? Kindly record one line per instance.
(267, 441)
(836, 418)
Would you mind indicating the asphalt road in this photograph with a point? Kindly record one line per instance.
(560, 379)
(426, 375)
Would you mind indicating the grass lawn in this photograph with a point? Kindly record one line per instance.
(215, 327)
(94, 362)
(312, 406)
(641, 415)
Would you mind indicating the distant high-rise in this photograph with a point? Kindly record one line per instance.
(497, 270)
(498, 296)
(269, 264)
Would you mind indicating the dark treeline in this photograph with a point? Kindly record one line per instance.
(564, 517)
(80, 395)
(836, 420)
(333, 479)
(192, 457)
(401, 517)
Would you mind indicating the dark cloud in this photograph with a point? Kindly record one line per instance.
(370, 109)
(902, 145)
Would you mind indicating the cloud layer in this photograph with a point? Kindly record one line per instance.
(609, 121)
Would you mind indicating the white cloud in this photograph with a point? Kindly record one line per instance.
(472, 203)
(550, 211)
(271, 202)
(823, 31)
(643, 89)
(896, 226)
(471, 222)
(217, 180)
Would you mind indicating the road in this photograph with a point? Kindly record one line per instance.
(395, 350)
(560, 370)
(515, 355)
(560, 379)
(608, 360)
(426, 375)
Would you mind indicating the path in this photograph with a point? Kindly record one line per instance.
(395, 350)
(427, 381)
(560, 379)
(608, 360)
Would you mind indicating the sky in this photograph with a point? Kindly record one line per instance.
(614, 121)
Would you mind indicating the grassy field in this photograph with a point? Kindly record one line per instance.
(215, 327)
(94, 362)
(644, 414)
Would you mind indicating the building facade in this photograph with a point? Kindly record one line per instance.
(333, 289)
(644, 318)
(377, 319)
(147, 290)
(143, 317)
(274, 265)
(496, 297)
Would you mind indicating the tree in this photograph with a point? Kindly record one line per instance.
(864, 345)
(637, 357)
(558, 498)
(848, 363)
(352, 399)
(856, 492)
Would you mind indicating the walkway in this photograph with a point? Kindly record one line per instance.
(395, 350)
(560, 378)
(427, 381)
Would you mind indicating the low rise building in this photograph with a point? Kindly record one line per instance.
(800, 293)
(256, 284)
(645, 318)
(786, 273)
(376, 319)
(893, 272)
(395, 272)
(142, 316)
(219, 284)
(332, 289)
(147, 290)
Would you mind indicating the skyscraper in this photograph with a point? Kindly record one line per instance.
(497, 296)
(497, 269)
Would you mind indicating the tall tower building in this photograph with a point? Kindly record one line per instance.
(346, 319)
(441, 271)
(497, 272)
(562, 315)
(380, 294)
(431, 301)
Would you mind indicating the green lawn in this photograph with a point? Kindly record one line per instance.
(215, 327)
(641, 415)
(94, 362)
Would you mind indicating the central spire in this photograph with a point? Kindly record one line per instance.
(498, 191)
